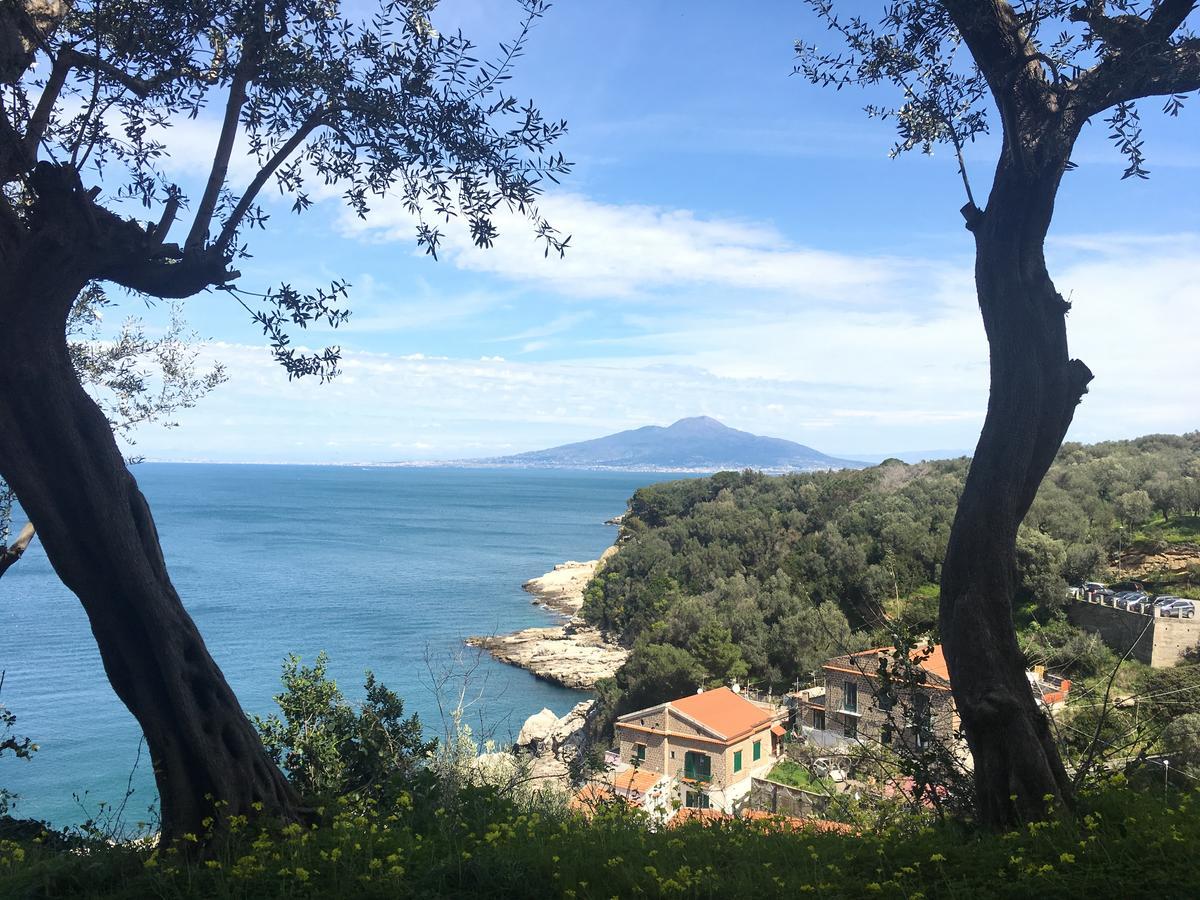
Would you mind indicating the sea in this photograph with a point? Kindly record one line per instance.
(382, 568)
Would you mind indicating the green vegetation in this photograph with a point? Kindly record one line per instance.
(1178, 530)
(1126, 843)
(440, 826)
(329, 748)
(796, 775)
(746, 576)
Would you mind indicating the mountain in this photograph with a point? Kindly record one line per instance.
(699, 444)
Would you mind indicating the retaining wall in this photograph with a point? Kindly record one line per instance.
(1156, 641)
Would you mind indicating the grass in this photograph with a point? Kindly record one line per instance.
(1179, 530)
(1125, 844)
(796, 775)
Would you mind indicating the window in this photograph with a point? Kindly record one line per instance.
(757, 750)
(737, 761)
(885, 700)
(850, 697)
(639, 752)
(819, 719)
(672, 754)
(850, 727)
(697, 766)
(696, 800)
(922, 720)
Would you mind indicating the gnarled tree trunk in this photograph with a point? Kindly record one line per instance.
(1035, 387)
(58, 454)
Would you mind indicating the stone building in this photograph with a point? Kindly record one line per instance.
(710, 744)
(867, 698)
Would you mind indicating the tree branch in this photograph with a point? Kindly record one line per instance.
(1000, 47)
(45, 104)
(141, 87)
(9, 555)
(310, 124)
(1173, 69)
(1167, 18)
(244, 74)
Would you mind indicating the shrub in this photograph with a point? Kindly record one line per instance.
(329, 747)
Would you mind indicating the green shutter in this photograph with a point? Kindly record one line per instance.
(737, 761)
(757, 750)
(641, 751)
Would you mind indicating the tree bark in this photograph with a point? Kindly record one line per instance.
(1035, 387)
(58, 454)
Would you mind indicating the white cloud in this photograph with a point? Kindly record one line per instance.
(620, 250)
(908, 374)
(558, 325)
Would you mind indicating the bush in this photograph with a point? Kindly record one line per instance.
(1060, 646)
(1124, 844)
(328, 747)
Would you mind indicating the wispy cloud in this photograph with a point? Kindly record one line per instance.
(558, 325)
(908, 370)
(624, 250)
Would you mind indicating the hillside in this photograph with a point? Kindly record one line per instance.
(741, 575)
(699, 444)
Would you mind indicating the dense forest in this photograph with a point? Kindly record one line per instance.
(748, 576)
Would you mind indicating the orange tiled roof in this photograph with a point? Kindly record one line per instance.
(709, 816)
(935, 663)
(588, 797)
(688, 814)
(815, 824)
(638, 781)
(723, 711)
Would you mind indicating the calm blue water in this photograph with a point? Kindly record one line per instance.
(381, 568)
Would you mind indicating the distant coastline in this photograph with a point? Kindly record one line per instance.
(484, 465)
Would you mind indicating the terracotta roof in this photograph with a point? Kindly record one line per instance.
(627, 786)
(778, 730)
(723, 711)
(591, 795)
(688, 814)
(814, 824)
(637, 781)
(712, 816)
(935, 663)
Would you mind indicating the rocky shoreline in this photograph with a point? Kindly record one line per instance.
(572, 654)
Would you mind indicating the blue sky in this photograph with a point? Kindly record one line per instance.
(742, 247)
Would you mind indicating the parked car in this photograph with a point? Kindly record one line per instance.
(1180, 609)
(1128, 586)
(1090, 587)
(1165, 600)
(1131, 600)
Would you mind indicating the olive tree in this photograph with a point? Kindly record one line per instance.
(136, 379)
(1044, 68)
(88, 89)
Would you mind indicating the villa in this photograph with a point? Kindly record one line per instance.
(709, 744)
(853, 705)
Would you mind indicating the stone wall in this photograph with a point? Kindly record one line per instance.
(773, 797)
(1156, 641)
